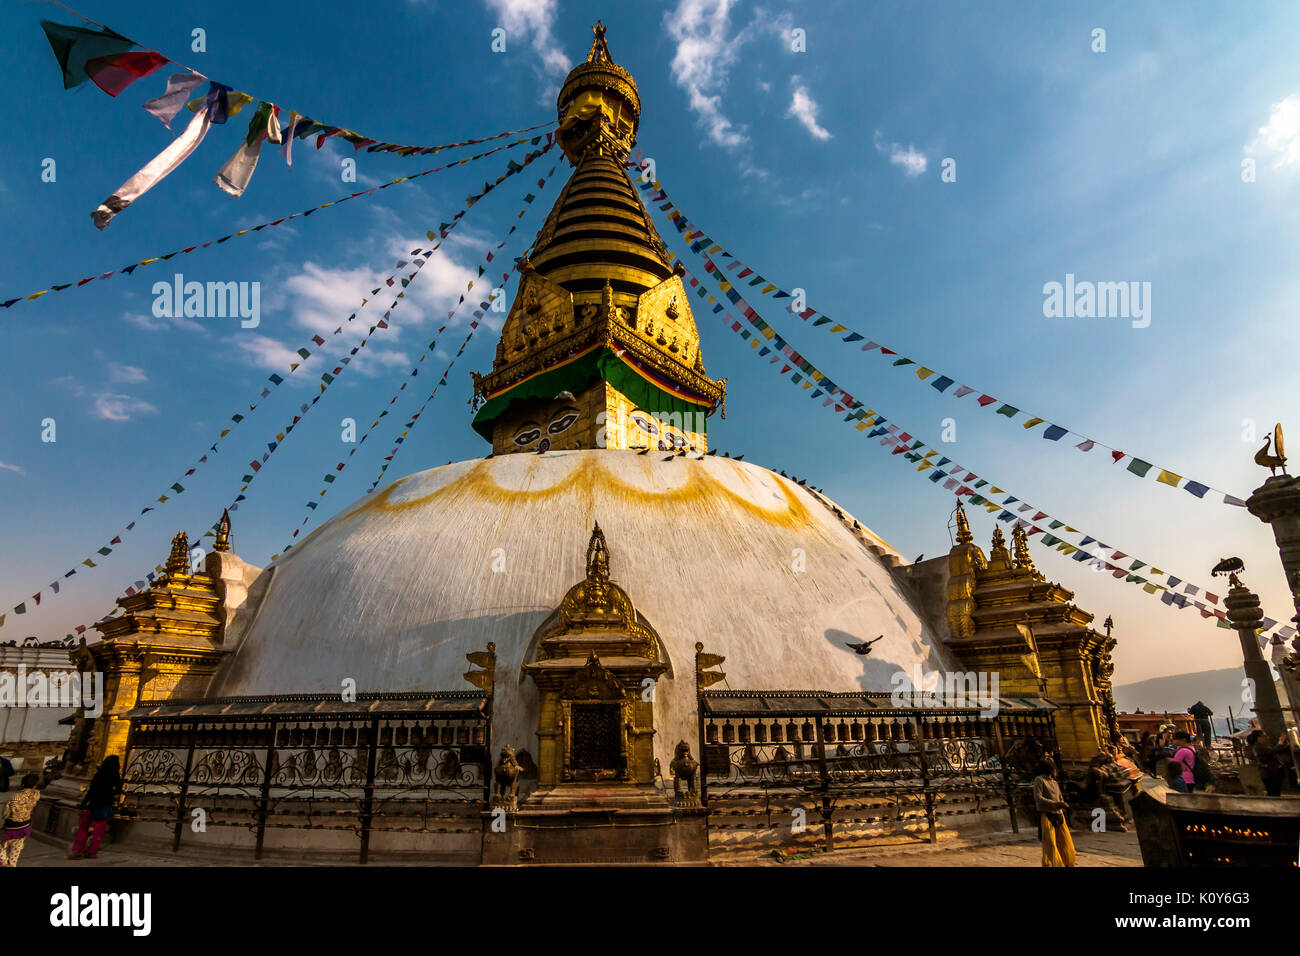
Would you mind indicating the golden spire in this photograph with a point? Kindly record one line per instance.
(223, 532)
(1020, 539)
(599, 48)
(601, 314)
(178, 562)
(963, 526)
(597, 555)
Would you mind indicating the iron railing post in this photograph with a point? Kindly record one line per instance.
(183, 797)
(828, 827)
(1006, 774)
(368, 795)
(264, 800)
(918, 739)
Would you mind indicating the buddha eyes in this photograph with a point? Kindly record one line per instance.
(646, 425)
(528, 437)
(561, 423)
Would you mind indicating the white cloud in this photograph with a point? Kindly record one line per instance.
(706, 52)
(536, 19)
(126, 374)
(1281, 137)
(150, 323)
(114, 407)
(912, 162)
(266, 352)
(804, 108)
(14, 468)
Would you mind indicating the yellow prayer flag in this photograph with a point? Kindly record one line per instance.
(995, 490)
(838, 328)
(1032, 422)
(923, 373)
(766, 289)
(1168, 478)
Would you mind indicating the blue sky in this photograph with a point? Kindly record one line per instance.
(821, 169)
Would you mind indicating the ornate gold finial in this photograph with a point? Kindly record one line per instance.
(223, 532)
(599, 48)
(1276, 460)
(1020, 540)
(963, 526)
(999, 539)
(597, 566)
(607, 298)
(178, 562)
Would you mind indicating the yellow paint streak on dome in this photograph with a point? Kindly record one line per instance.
(589, 477)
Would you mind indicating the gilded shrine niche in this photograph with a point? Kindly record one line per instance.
(596, 663)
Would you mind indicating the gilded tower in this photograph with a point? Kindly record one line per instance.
(600, 349)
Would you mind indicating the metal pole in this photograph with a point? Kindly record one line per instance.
(264, 802)
(183, 797)
(828, 827)
(368, 795)
(919, 742)
(1006, 774)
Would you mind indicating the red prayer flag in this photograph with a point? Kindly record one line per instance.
(113, 74)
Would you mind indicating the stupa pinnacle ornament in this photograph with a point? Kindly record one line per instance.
(963, 526)
(222, 543)
(178, 562)
(601, 313)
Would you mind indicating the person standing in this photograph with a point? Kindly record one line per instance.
(1271, 769)
(97, 809)
(18, 819)
(1185, 759)
(1058, 847)
(1204, 728)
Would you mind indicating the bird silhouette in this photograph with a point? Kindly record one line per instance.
(865, 647)
(644, 451)
(565, 396)
(740, 458)
(712, 451)
(670, 458)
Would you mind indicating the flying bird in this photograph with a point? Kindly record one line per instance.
(865, 647)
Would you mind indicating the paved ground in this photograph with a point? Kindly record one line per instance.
(1093, 849)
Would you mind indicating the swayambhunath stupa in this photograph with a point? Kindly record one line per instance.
(608, 640)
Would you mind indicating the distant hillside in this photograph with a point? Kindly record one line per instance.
(1219, 689)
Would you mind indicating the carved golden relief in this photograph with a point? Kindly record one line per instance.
(594, 657)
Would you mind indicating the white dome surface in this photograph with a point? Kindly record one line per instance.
(399, 587)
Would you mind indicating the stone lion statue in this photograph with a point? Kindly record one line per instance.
(683, 768)
(506, 775)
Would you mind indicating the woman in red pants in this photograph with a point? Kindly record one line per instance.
(97, 809)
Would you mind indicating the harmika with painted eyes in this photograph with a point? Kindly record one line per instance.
(531, 433)
(668, 438)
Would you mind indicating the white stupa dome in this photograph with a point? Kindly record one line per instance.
(394, 591)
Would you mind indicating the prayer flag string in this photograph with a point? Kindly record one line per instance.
(730, 275)
(959, 480)
(129, 269)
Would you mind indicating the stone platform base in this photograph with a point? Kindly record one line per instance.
(592, 823)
